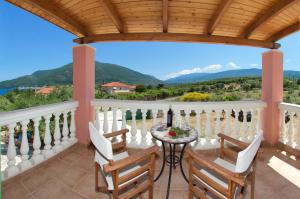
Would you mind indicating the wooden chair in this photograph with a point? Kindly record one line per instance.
(120, 171)
(222, 178)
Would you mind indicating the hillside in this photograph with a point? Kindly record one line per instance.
(201, 77)
(105, 72)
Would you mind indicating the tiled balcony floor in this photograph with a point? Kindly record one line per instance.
(71, 175)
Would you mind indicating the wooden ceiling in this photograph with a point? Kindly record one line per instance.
(257, 23)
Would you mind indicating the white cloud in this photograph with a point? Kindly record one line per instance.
(233, 65)
(254, 65)
(209, 68)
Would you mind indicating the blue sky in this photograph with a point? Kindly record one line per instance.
(30, 43)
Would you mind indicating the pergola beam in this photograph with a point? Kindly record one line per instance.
(285, 32)
(272, 12)
(111, 11)
(165, 15)
(55, 12)
(175, 37)
(217, 16)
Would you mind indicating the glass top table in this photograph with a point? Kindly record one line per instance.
(161, 132)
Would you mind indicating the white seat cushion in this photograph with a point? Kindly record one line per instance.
(218, 179)
(125, 171)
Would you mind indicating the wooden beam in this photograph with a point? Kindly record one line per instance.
(217, 16)
(165, 15)
(175, 37)
(269, 14)
(285, 32)
(111, 11)
(55, 12)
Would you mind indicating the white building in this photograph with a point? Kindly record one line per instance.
(117, 87)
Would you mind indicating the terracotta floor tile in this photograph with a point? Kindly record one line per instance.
(14, 190)
(34, 179)
(71, 175)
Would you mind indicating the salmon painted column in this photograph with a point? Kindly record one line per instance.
(272, 94)
(83, 89)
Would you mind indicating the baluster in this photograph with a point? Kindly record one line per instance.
(178, 118)
(244, 129)
(133, 141)
(11, 169)
(37, 156)
(97, 122)
(105, 122)
(291, 129)
(114, 122)
(144, 128)
(25, 164)
(165, 111)
(154, 116)
(187, 116)
(298, 132)
(57, 135)
(236, 124)
(47, 152)
(251, 125)
(73, 138)
(208, 130)
(227, 122)
(258, 127)
(283, 135)
(218, 122)
(124, 118)
(65, 132)
(198, 122)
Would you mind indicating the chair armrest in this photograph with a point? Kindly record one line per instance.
(132, 159)
(240, 144)
(116, 133)
(201, 160)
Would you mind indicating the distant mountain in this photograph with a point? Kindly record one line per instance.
(105, 72)
(200, 77)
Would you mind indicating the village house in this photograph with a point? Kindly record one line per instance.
(117, 87)
(44, 90)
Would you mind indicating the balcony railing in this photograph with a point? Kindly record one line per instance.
(54, 130)
(290, 125)
(240, 119)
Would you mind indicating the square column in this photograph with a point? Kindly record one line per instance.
(272, 94)
(83, 89)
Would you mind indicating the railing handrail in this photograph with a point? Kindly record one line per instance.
(29, 113)
(178, 105)
(289, 107)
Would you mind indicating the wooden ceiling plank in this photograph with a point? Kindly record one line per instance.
(269, 14)
(112, 12)
(285, 32)
(58, 14)
(165, 15)
(217, 16)
(175, 37)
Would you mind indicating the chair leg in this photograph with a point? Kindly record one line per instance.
(252, 185)
(150, 196)
(96, 177)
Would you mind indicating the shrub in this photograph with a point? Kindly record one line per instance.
(194, 96)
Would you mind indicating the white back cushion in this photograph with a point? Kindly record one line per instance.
(246, 156)
(102, 144)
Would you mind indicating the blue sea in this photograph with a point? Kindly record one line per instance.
(4, 91)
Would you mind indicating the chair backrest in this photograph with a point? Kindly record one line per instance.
(246, 156)
(103, 145)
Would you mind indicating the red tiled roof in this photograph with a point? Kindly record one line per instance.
(45, 90)
(117, 84)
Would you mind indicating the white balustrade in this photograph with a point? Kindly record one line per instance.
(13, 120)
(25, 164)
(57, 134)
(37, 156)
(214, 117)
(290, 124)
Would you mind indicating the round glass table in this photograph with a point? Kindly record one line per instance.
(161, 132)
